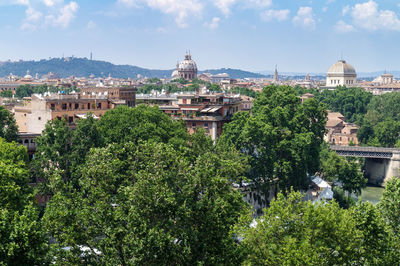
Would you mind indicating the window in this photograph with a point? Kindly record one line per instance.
(53, 106)
(76, 106)
(64, 106)
(184, 101)
(206, 125)
(193, 124)
(70, 119)
(88, 106)
(26, 141)
(39, 118)
(70, 105)
(98, 105)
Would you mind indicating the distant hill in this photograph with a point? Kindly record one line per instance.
(83, 67)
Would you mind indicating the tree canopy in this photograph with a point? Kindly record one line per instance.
(282, 138)
(8, 126)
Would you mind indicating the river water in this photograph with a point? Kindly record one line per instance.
(372, 194)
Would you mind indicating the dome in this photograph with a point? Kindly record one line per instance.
(188, 64)
(27, 76)
(342, 68)
(174, 74)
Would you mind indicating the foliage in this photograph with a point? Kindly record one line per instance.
(52, 164)
(6, 94)
(22, 242)
(125, 124)
(297, 232)
(337, 169)
(147, 204)
(244, 91)
(390, 204)
(8, 126)
(282, 138)
(350, 102)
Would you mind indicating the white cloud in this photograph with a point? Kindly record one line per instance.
(64, 17)
(345, 10)
(369, 17)
(91, 25)
(273, 14)
(213, 24)
(181, 9)
(48, 2)
(32, 14)
(260, 3)
(128, 3)
(305, 18)
(343, 27)
(225, 6)
(22, 2)
(324, 9)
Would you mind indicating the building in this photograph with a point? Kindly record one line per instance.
(186, 69)
(341, 74)
(117, 95)
(384, 79)
(33, 114)
(339, 131)
(208, 111)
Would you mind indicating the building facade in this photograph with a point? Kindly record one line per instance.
(341, 74)
(186, 69)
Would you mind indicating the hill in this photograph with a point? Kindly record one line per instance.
(83, 67)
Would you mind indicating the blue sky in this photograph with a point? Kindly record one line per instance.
(297, 35)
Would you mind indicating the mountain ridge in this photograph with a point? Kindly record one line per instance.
(83, 67)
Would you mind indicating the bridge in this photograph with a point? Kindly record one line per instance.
(381, 164)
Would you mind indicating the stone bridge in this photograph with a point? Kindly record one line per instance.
(381, 164)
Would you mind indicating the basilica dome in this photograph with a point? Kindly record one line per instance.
(187, 68)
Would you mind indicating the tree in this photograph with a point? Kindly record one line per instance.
(52, 163)
(388, 132)
(147, 203)
(297, 232)
(282, 138)
(124, 124)
(379, 244)
(353, 103)
(22, 242)
(390, 204)
(24, 91)
(8, 126)
(335, 168)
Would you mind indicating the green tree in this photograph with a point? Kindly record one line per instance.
(282, 138)
(24, 91)
(6, 94)
(52, 163)
(8, 126)
(297, 232)
(335, 168)
(353, 103)
(388, 132)
(143, 122)
(390, 204)
(148, 204)
(22, 242)
(379, 246)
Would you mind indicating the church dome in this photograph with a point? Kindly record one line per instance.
(188, 64)
(341, 68)
(28, 76)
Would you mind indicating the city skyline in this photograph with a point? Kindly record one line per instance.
(252, 35)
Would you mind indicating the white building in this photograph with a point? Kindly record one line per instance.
(341, 74)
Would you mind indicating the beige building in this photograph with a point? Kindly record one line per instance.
(341, 74)
(33, 114)
(339, 131)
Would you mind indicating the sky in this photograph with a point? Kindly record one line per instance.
(255, 35)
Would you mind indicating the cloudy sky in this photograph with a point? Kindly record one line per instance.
(297, 35)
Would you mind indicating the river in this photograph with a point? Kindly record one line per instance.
(372, 194)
